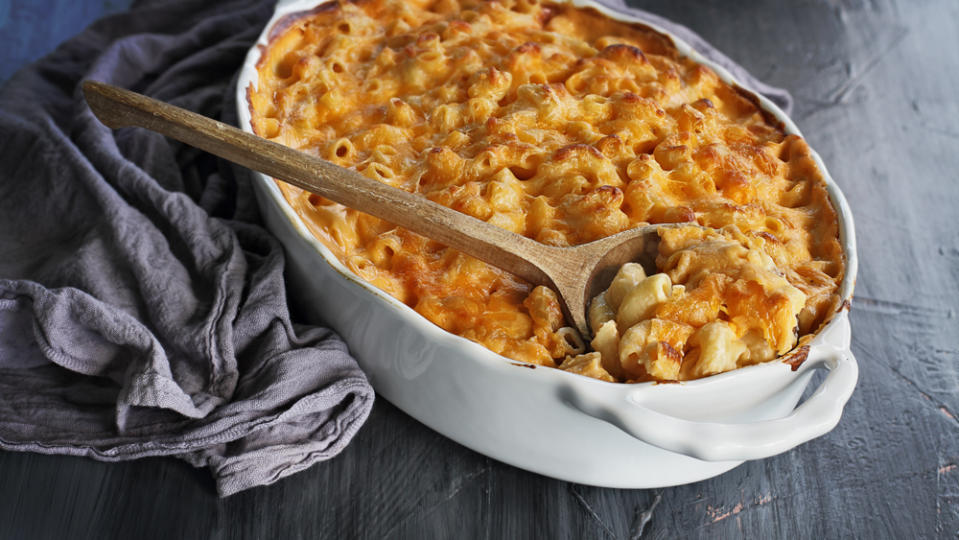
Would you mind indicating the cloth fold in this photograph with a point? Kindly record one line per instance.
(142, 304)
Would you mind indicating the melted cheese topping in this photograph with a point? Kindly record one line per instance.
(547, 120)
(715, 305)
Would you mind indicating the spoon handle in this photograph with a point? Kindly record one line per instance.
(117, 107)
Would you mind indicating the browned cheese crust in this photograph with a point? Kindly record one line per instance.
(551, 121)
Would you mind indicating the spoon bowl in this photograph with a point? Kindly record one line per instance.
(579, 273)
(575, 273)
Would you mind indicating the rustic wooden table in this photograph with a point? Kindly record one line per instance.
(874, 84)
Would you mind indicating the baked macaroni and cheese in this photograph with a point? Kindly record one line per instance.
(564, 126)
(716, 305)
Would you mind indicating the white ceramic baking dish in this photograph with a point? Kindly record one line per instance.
(549, 421)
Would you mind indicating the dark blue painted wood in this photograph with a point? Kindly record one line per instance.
(875, 84)
(30, 29)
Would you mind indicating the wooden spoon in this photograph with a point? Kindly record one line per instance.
(576, 273)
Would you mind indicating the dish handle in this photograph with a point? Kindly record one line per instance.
(716, 441)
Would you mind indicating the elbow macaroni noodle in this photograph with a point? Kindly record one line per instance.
(562, 125)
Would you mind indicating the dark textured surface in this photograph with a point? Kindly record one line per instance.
(32, 28)
(874, 83)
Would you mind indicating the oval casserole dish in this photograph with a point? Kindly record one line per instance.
(550, 421)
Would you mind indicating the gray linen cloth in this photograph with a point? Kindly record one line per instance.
(142, 304)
